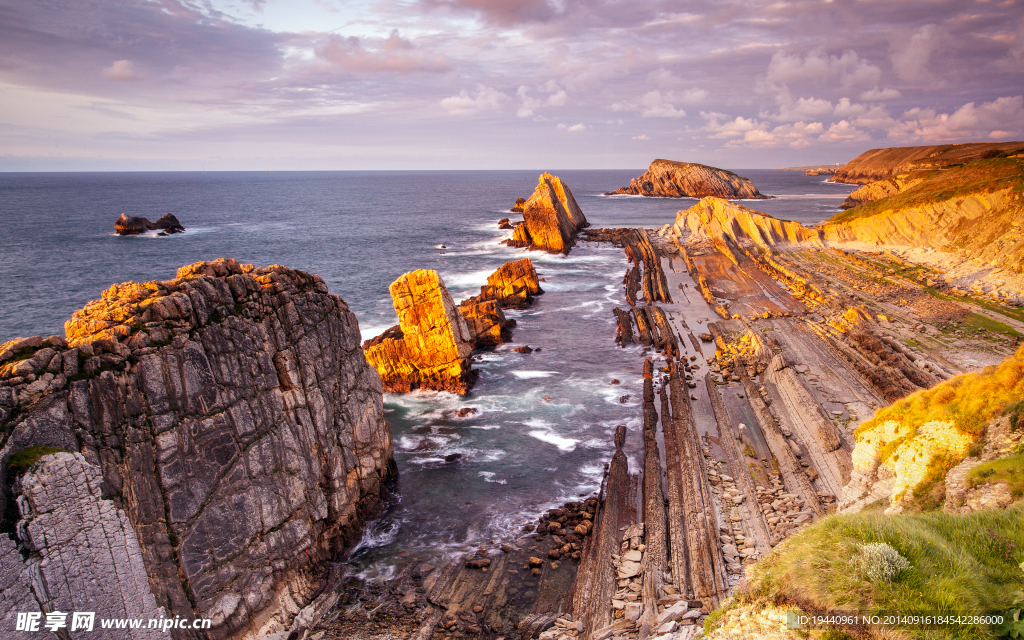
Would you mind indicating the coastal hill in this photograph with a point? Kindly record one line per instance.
(196, 447)
(878, 164)
(670, 179)
(971, 210)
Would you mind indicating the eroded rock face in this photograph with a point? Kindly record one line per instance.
(82, 547)
(233, 418)
(717, 220)
(670, 179)
(551, 218)
(430, 347)
(513, 285)
(487, 323)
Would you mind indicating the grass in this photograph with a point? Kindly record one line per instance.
(961, 564)
(22, 461)
(968, 400)
(1009, 470)
(980, 176)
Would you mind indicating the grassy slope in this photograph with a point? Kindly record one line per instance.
(969, 400)
(978, 177)
(963, 564)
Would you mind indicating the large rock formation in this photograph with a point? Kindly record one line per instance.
(551, 218)
(430, 347)
(512, 286)
(670, 179)
(878, 164)
(228, 415)
(718, 220)
(127, 225)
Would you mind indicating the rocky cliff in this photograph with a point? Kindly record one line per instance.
(916, 440)
(669, 179)
(551, 218)
(226, 436)
(430, 347)
(878, 164)
(717, 220)
(974, 209)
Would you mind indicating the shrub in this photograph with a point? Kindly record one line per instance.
(883, 563)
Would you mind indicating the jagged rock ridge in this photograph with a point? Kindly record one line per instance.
(552, 218)
(234, 420)
(670, 179)
(717, 220)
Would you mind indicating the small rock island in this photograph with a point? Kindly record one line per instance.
(127, 225)
(671, 179)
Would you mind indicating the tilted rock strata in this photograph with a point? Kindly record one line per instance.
(716, 220)
(487, 323)
(878, 164)
(235, 420)
(430, 347)
(878, 190)
(82, 547)
(670, 179)
(513, 285)
(126, 225)
(552, 218)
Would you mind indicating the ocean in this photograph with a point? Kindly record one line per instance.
(542, 431)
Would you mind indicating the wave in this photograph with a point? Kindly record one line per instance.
(527, 375)
(563, 443)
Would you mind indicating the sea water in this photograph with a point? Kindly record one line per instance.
(542, 429)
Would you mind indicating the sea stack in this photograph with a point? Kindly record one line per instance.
(127, 225)
(551, 218)
(512, 286)
(430, 347)
(195, 447)
(670, 179)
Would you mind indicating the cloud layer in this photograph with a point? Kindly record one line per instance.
(497, 83)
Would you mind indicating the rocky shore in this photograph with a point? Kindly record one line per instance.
(197, 447)
(670, 179)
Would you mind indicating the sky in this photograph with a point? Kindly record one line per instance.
(184, 85)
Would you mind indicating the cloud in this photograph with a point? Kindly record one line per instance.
(880, 94)
(910, 56)
(557, 97)
(501, 12)
(394, 53)
(572, 128)
(801, 109)
(849, 68)
(843, 131)
(1001, 118)
(466, 103)
(121, 71)
(750, 132)
(654, 104)
(642, 136)
(1014, 59)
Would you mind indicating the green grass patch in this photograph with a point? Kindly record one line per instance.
(978, 177)
(975, 321)
(22, 461)
(968, 401)
(960, 564)
(1009, 470)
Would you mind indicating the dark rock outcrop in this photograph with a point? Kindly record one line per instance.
(430, 347)
(551, 218)
(127, 225)
(226, 432)
(670, 179)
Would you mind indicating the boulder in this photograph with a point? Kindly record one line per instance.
(430, 347)
(670, 179)
(487, 323)
(552, 219)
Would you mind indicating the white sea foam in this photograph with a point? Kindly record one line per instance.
(563, 444)
(526, 375)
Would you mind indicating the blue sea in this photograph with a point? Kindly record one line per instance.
(542, 431)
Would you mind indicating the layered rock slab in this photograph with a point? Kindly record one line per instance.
(552, 218)
(671, 179)
(716, 220)
(235, 420)
(430, 347)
